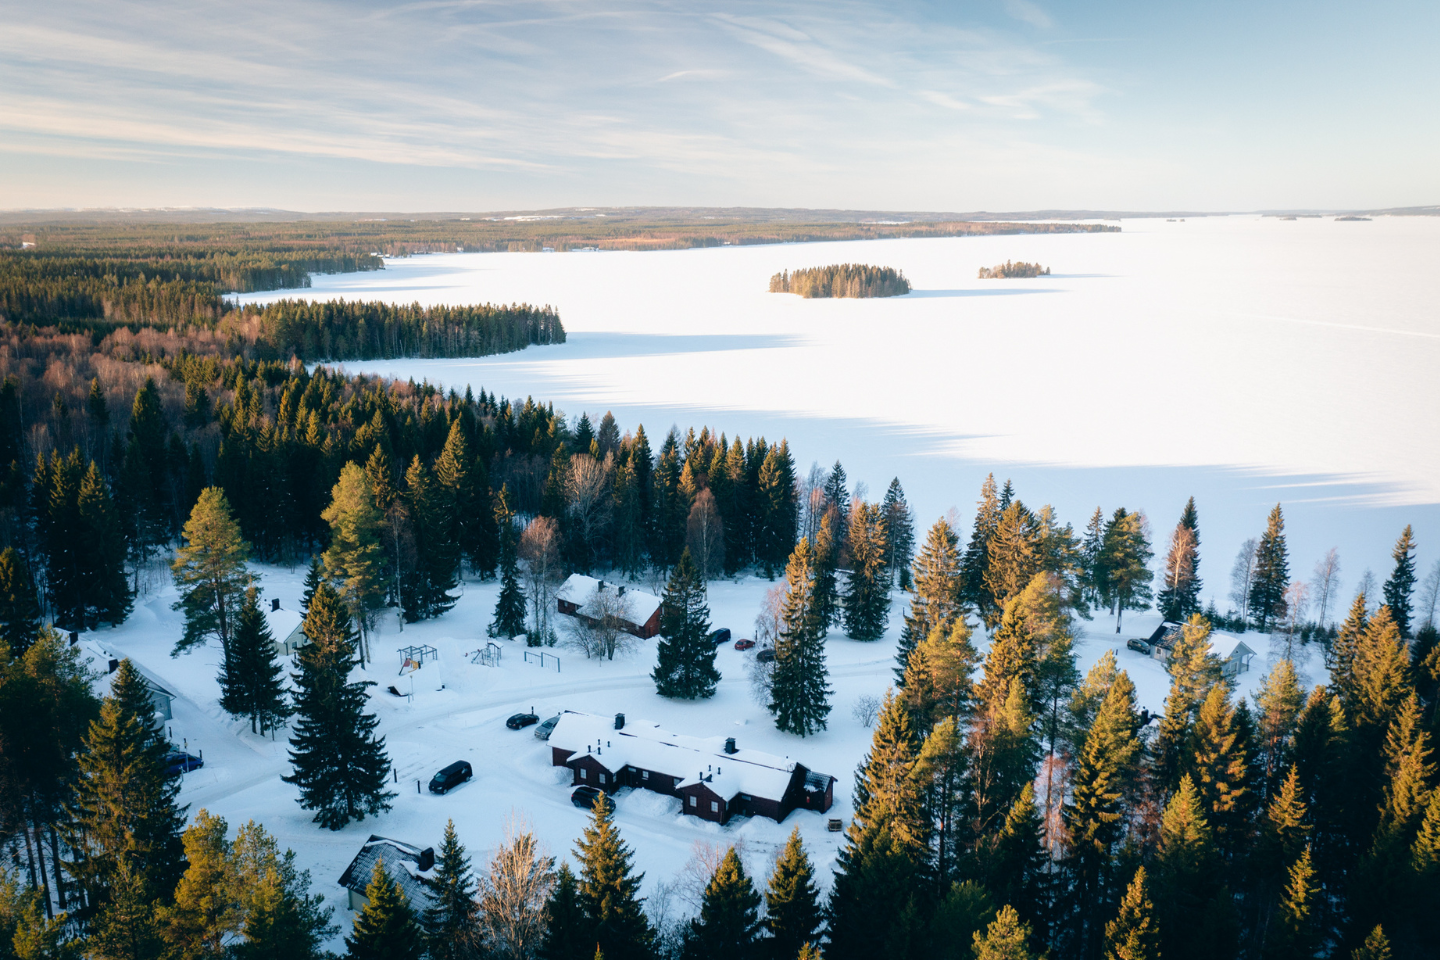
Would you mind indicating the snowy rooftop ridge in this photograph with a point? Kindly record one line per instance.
(647, 746)
(579, 589)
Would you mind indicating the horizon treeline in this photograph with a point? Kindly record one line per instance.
(841, 280)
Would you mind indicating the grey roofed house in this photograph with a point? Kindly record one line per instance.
(1235, 654)
(284, 627)
(409, 866)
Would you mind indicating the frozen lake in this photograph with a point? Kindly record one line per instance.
(1241, 360)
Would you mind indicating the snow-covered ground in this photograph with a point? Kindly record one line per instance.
(1239, 359)
(458, 712)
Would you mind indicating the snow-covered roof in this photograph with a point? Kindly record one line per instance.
(646, 745)
(282, 622)
(1227, 645)
(401, 863)
(580, 590)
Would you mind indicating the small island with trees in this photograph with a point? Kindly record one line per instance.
(1009, 271)
(842, 280)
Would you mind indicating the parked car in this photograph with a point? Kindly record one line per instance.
(543, 731)
(1138, 645)
(744, 644)
(522, 720)
(584, 798)
(451, 777)
(766, 656)
(720, 636)
(178, 761)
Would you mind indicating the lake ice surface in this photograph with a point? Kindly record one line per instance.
(1243, 360)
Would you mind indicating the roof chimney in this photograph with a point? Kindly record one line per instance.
(730, 745)
(427, 859)
(619, 721)
(274, 604)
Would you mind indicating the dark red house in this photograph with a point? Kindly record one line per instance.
(641, 611)
(713, 778)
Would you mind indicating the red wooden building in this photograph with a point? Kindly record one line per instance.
(639, 612)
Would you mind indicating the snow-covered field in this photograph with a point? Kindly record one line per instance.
(1239, 359)
(458, 712)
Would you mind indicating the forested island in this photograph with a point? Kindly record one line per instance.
(841, 280)
(1010, 271)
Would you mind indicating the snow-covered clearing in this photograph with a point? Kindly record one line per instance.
(513, 775)
(1239, 359)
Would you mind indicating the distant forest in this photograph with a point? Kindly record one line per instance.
(842, 280)
(1009, 271)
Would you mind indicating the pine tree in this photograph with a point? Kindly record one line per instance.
(106, 593)
(386, 928)
(353, 560)
(126, 924)
(210, 572)
(1220, 767)
(1340, 657)
(1014, 557)
(1402, 581)
(1272, 574)
(1093, 583)
(729, 924)
(339, 764)
(609, 891)
(1194, 670)
(19, 607)
(1294, 933)
(122, 822)
(1279, 701)
(450, 920)
(1125, 558)
(251, 677)
(936, 588)
(899, 535)
(283, 919)
(938, 680)
(1132, 935)
(1379, 686)
(1007, 938)
(792, 907)
(685, 657)
(867, 593)
(886, 791)
(799, 695)
(1015, 861)
(206, 913)
(1180, 596)
(568, 934)
(314, 576)
(1285, 828)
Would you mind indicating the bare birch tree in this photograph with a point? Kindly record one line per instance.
(540, 549)
(513, 894)
(1325, 584)
(705, 535)
(598, 630)
(1241, 577)
(1429, 597)
(589, 501)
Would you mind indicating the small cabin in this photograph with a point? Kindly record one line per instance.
(411, 867)
(579, 595)
(1234, 653)
(284, 626)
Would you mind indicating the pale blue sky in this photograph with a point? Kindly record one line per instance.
(487, 104)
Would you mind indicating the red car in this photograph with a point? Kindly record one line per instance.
(744, 644)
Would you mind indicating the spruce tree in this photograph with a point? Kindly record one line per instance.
(386, 928)
(314, 576)
(509, 619)
(19, 607)
(1133, 935)
(568, 933)
(1272, 574)
(1375, 947)
(1191, 903)
(1279, 702)
(1180, 596)
(938, 680)
(126, 925)
(685, 657)
(867, 592)
(451, 919)
(106, 593)
(872, 900)
(899, 534)
(339, 764)
(283, 919)
(1194, 670)
(1093, 582)
(1220, 767)
(1016, 863)
(1402, 581)
(353, 559)
(425, 593)
(799, 695)
(1007, 938)
(122, 823)
(206, 912)
(826, 563)
(792, 906)
(608, 891)
(1125, 556)
(1014, 557)
(251, 677)
(1294, 933)
(935, 590)
(887, 793)
(729, 924)
(775, 490)
(461, 475)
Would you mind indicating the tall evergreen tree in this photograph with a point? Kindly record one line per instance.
(1294, 933)
(102, 561)
(353, 559)
(778, 512)
(1341, 658)
(1132, 935)
(451, 919)
(386, 927)
(792, 908)
(609, 891)
(568, 934)
(339, 764)
(283, 919)
(425, 592)
(206, 912)
(210, 573)
(1272, 574)
(251, 677)
(1402, 581)
(19, 607)
(867, 592)
(1093, 584)
(1220, 767)
(799, 695)
(729, 923)
(899, 534)
(1007, 938)
(936, 589)
(826, 563)
(1125, 558)
(1180, 595)
(1014, 557)
(461, 477)
(1192, 906)
(685, 657)
(509, 618)
(977, 552)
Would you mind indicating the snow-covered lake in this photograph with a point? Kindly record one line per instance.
(1239, 359)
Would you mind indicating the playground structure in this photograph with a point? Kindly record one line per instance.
(486, 656)
(413, 658)
(532, 655)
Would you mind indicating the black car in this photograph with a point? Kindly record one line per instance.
(720, 636)
(584, 798)
(766, 656)
(177, 761)
(451, 777)
(522, 720)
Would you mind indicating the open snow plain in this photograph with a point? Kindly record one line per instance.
(1243, 360)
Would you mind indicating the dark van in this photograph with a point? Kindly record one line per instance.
(451, 777)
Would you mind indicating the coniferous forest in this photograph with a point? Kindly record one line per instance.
(841, 280)
(1009, 806)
